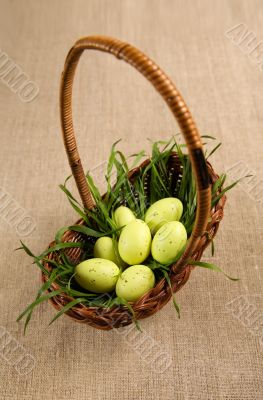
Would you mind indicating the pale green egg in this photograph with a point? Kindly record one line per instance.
(123, 216)
(162, 211)
(134, 282)
(135, 242)
(104, 248)
(168, 242)
(97, 275)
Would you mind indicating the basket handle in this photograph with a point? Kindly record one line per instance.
(173, 98)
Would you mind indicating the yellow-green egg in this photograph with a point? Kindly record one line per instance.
(97, 275)
(134, 282)
(104, 248)
(168, 242)
(162, 211)
(135, 242)
(123, 216)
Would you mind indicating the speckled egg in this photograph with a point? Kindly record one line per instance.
(97, 275)
(168, 241)
(123, 216)
(104, 248)
(162, 211)
(134, 282)
(135, 242)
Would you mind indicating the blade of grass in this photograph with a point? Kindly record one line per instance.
(212, 267)
(214, 149)
(66, 308)
(176, 306)
(38, 301)
(226, 189)
(121, 301)
(59, 246)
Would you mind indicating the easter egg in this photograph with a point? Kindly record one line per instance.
(162, 211)
(168, 242)
(122, 216)
(97, 275)
(135, 242)
(104, 248)
(134, 282)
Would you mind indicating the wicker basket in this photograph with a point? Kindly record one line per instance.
(207, 220)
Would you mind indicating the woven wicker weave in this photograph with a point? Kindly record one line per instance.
(203, 230)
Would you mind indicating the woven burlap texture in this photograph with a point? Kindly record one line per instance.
(211, 353)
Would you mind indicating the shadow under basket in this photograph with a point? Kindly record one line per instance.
(206, 220)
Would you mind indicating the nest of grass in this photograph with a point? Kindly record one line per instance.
(167, 173)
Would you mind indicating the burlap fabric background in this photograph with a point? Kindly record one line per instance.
(215, 350)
